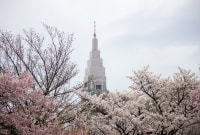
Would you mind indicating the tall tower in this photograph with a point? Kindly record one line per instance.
(95, 79)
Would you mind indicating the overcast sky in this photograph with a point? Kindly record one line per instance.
(164, 34)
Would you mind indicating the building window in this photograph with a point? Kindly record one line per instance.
(98, 87)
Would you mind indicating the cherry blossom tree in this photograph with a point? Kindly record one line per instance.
(168, 101)
(154, 105)
(24, 110)
(111, 113)
(47, 59)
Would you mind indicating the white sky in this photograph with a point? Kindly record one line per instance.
(164, 34)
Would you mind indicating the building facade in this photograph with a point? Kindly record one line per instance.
(95, 79)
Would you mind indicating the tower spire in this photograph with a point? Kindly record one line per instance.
(94, 29)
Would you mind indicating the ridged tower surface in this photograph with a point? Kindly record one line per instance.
(95, 79)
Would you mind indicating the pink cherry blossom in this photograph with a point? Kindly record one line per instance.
(24, 110)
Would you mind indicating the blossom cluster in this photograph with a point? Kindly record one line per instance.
(24, 110)
(154, 105)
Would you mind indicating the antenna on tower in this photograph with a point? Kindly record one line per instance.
(94, 29)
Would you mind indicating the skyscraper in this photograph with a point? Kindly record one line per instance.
(95, 79)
